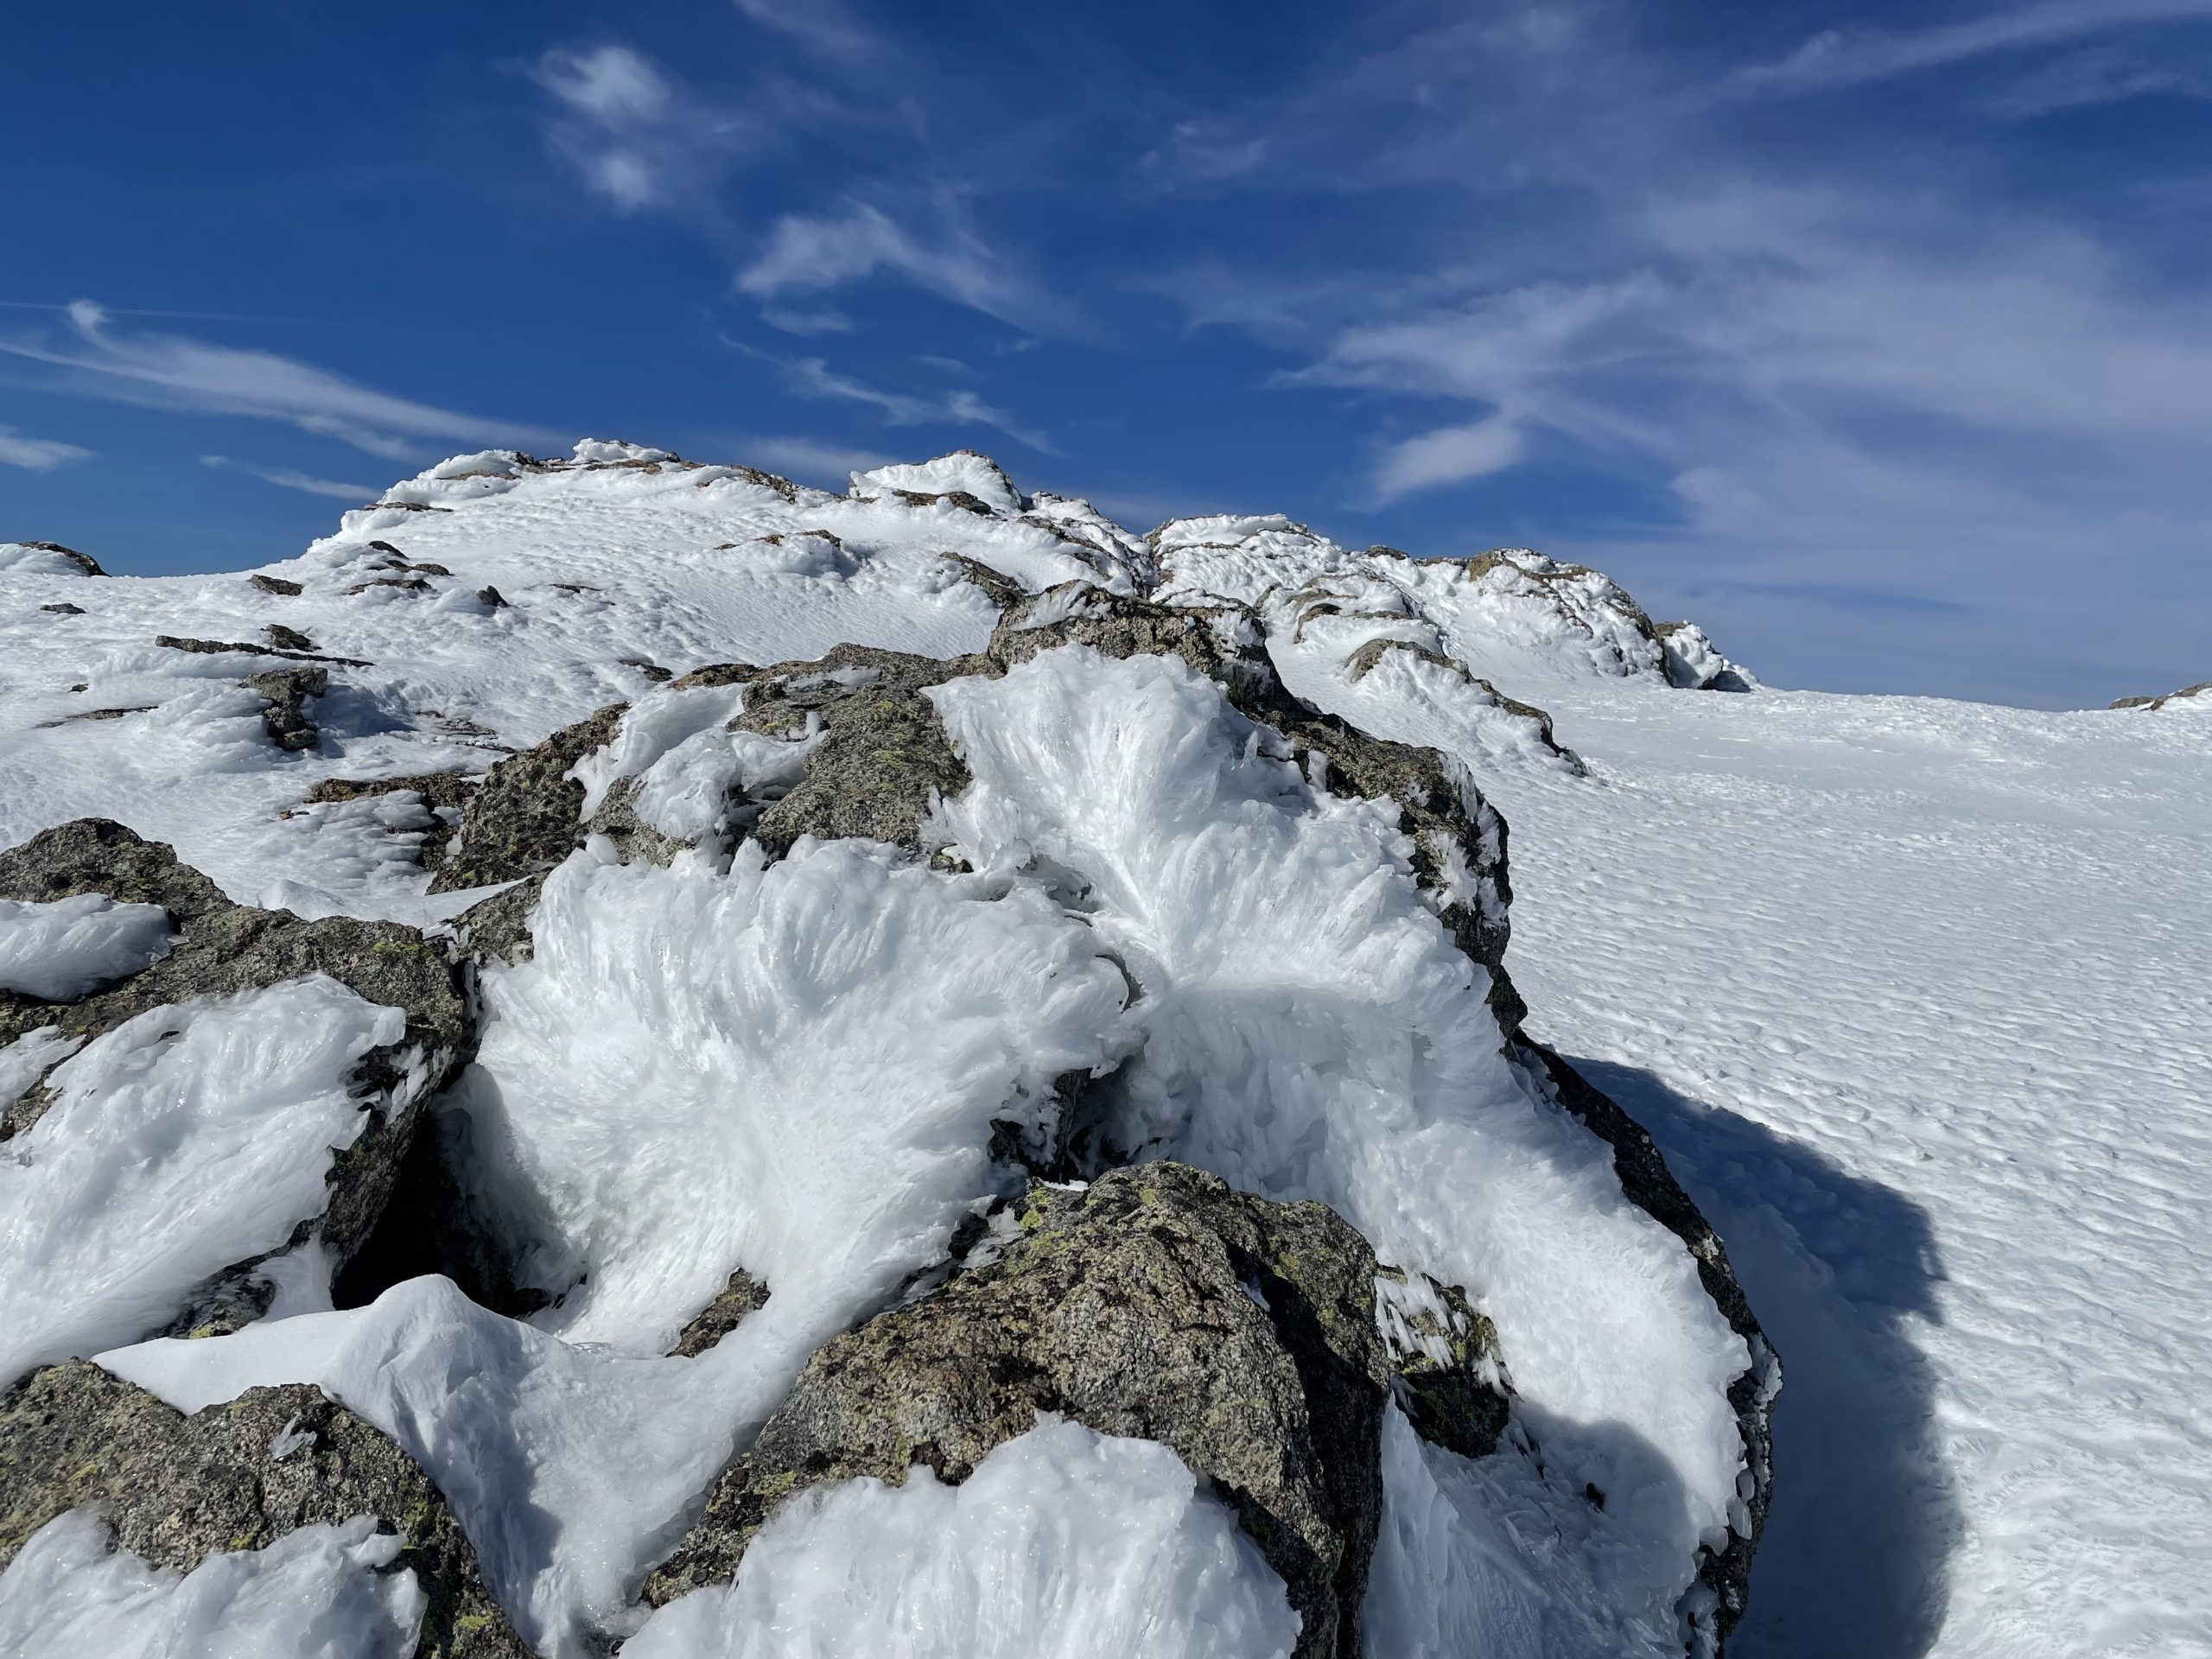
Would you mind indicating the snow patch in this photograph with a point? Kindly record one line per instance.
(318, 1592)
(1063, 1542)
(68, 948)
(209, 1126)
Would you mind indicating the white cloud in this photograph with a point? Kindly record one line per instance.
(822, 320)
(37, 454)
(285, 478)
(1451, 454)
(1851, 57)
(611, 84)
(173, 371)
(2099, 77)
(812, 377)
(821, 26)
(812, 255)
(632, 134)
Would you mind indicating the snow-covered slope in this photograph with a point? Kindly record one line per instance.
(1058, 862)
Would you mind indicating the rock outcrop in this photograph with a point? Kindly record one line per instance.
(177, 1490)
(1158, 1303)
(221, 949)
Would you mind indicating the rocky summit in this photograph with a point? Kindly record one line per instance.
(628, 1056)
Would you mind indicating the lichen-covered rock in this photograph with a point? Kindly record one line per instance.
(1157, 1303)
(740, 1299)
(224, 948)
(1448, 1376)
(883, 758)
(527, 815)
(238, 1476)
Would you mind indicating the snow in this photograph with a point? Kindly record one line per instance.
(208, 1125)
(769, 1069)
(30, 559)
(567, 1465)
(69, 948)
(1910, 991)
(316, 1593)
(1310, 1031)
(1063, 1543)
(698, 1070)
(978, 475)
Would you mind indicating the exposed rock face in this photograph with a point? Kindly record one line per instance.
(525, 817)
(239, 1476)
(2199, 693)
(1450, 1377)
(223, 948)
(1157, 1303)
(288, 690)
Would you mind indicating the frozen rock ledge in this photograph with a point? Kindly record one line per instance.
(1005, 1126)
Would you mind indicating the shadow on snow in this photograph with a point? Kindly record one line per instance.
(1853, 1561)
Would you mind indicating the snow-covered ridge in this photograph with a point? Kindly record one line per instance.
(639, 926)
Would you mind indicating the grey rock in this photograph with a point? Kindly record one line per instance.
(884, 757)
(492, 596)
(224, 948)
(1448, 1375)
(1158, 1303)
(177, 1490)
(290, 726)
(740, 1299)
(65, 608)
(287, 638)
(84, 562)
(218, 647)
(527, 815)
(2201, 688)
(278, 586)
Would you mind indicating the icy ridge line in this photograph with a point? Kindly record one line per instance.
(1045, 1034)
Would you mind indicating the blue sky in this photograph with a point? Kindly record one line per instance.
(1876, 339)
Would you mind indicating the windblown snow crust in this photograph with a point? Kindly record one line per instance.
(733, 1097)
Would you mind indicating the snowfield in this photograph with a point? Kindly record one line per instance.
(797, 992)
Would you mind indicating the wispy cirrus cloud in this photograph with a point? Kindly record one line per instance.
(811, 377)
(37, 454)
(175, 371)
(1851, 57)
(285, 478)
(631, 135)
(812, 254)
